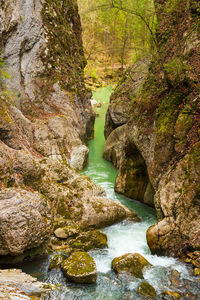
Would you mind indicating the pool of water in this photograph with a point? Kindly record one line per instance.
(125, 237)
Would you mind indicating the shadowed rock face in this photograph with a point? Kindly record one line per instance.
(45, 121)
(163, 125)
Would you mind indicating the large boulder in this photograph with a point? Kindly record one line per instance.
(25, 220)
(133, 264)
(80, 267)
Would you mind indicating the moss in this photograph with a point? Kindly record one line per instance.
(146, 290)
(90, 240)
(172, 295)
(131, 263)
(56, 261)
(65, 52)
(80, 267)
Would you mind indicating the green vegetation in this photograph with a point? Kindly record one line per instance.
(116, 34)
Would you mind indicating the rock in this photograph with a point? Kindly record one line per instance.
(56, 261)
(14, 284)
(168, 295)
(196, 271)
(113, 148)
(161, 144)
(130, 263)
(194, 243)
(25, 220)
(80, 267)
(79, 157)
(89, 240)
(68, 231)
(146, 290)
(175, 278)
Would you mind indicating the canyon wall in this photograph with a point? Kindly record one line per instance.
(156, 139)
(46, 120)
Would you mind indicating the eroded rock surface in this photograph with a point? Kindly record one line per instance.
(14, 284)
(46, 120)
(160, 155)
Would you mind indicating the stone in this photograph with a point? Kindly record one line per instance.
(89, 240)
(169, 295)
(80, 267)
(161, 144)
(66, 232)
(134, 264)
(15, 283)
(79, 157)
(113, 148)
(175, 278)
(56, 261)
(25, 220)
(146, 290)
(196, 271)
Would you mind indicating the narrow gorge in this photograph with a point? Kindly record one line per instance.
(56, 178)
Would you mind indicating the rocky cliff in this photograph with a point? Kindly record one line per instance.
(45, 122)
(157, 135)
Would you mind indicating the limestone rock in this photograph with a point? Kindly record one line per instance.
(130, 263)
(25, 220)
(86, 241)
(169, 295)
(80, 267)
(175, 278)
(79, 157)
(113, 148)
(161, 145)
(14, 284)
(68, 231)
(146, 290)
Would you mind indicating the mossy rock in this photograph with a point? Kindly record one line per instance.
(130, 263)
(168, 295)
(196, 271)
(66, 232)
(80, 267)
(86, 241)
(56, 261)
(146, 290)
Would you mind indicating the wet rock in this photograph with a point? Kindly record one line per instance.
(168, 295)
(80, 267)
(134, 264)
(175, 278)
(196, 271)
(25, 220)
(14, 284)
(190, 296)
(90, 240)
(146, 290)
(56, 261)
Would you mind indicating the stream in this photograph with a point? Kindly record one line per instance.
(125, 237)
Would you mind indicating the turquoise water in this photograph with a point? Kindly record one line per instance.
(125, 237)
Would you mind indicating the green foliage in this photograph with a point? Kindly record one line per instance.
(3, 71)
(117, 33)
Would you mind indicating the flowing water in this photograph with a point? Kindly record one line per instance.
(125, 237)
